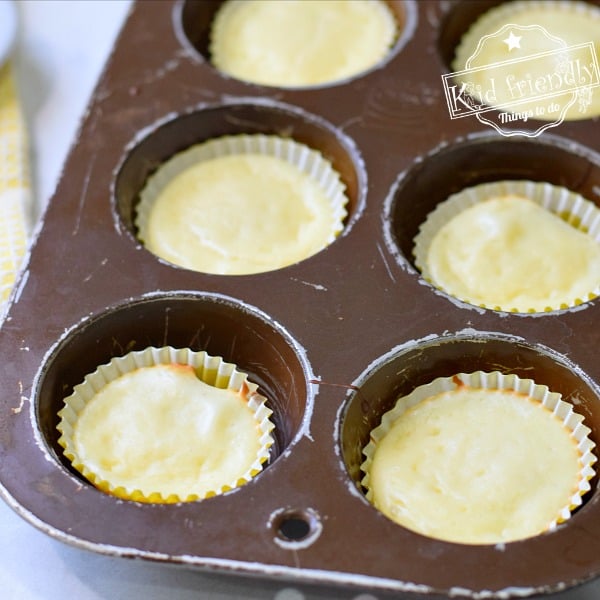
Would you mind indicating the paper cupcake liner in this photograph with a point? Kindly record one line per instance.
(212, 370)
(306, 159)
(569, 206)
(498, 16)
(572, 421)
(223, 30)
(507, 13)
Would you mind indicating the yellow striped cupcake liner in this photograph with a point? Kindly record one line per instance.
(15, 188)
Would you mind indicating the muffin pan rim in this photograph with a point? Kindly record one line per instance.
(448, 146)
(143, 135)
(410, 26)
(476, 337)
(467, 334)
(54, 351)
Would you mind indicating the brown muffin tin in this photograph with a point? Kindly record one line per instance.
(332, 341)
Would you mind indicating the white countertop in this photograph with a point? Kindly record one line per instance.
(60, 52)
(61, 49)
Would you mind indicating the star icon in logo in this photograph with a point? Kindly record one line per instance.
(513, 41)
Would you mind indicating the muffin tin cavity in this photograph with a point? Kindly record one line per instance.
(403, 369)
(269, 118)
(468, 37)
(456, 23)
(194, 21)
(482, 159)
(215, 324)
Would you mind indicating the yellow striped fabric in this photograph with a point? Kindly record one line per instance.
(15, 188)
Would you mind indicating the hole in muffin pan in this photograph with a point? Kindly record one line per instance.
(295, 528)
(482, 159)
(403, 369)
(195, 20)
(218, 325)
(268, 118)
